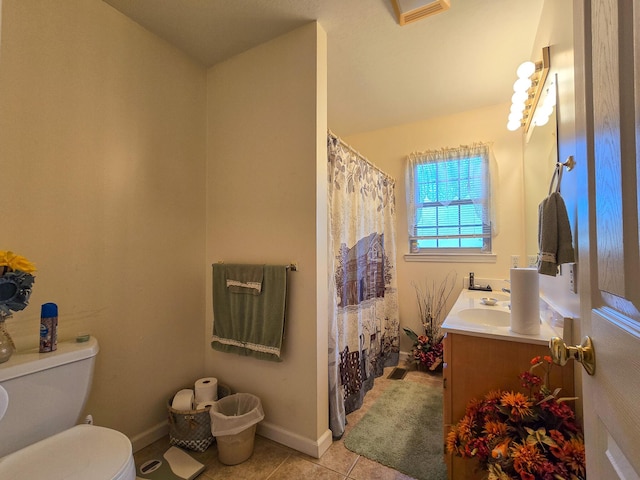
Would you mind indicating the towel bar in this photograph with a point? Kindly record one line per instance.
(292, 266)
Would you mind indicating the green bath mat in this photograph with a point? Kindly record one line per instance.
(403, 430)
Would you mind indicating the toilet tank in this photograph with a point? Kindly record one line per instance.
(46, 392)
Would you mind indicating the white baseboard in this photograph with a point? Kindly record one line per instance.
(268, 430)
(138, 442)
(313, 448)
(404, 357)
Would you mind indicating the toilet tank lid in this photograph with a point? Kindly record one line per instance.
(32, 361)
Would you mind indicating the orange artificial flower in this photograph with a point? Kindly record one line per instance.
(519, 405)
(452, 441)
(495, 429)
(527, 460)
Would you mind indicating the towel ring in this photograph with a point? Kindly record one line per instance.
(557, 177)
(557, 173)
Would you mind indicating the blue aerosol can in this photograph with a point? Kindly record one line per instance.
(48, 327)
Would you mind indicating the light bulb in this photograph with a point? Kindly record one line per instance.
(540, 120)
(546, 110)
(515, 117)
(549, 101)
(526, 69)
(522, 85)
(513, 126)
(517, 107)
(519, 97)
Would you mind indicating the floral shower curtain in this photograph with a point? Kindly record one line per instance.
(363, 323)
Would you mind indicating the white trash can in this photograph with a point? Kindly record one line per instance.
(233, 422)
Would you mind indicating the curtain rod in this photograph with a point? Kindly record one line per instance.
(353, 150)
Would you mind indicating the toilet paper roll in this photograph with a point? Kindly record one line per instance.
(206, 390)
(183, 400)
(204, 405)
(525, 301)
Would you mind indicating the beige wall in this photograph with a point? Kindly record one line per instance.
(266, 186)
(388, 149)
(102, 151)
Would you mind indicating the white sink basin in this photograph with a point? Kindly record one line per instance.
(492, 317)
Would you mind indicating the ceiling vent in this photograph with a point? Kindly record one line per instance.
(409, 11)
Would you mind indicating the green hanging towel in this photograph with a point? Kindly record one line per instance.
(249, 305)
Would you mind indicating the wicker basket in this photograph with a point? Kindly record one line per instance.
(191, 429)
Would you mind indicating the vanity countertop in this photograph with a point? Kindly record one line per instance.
(472, 299)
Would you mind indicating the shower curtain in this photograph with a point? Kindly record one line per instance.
(363, 323)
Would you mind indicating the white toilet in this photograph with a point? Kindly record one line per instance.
(41, 398)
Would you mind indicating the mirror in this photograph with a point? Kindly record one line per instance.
(540, 157)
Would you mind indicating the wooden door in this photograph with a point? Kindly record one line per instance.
(608, 141)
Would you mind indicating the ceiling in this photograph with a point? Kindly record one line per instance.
(380, 74)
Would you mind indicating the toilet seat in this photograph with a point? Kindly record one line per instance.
(84, 452)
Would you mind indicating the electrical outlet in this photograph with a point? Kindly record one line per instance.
(532, 261)
(573, 277)
(515, 261)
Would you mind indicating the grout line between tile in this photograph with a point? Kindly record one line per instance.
(352, 466)
(278, 467)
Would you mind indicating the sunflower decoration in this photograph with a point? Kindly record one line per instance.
(522, 436)
(16, 282)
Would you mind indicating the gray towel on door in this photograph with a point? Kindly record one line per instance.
(249, 324)
(554, 235)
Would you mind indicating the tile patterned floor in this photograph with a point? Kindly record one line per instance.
(273, 461)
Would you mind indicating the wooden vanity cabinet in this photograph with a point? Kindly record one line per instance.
(473, 366)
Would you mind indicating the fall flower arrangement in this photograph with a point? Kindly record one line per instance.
(513, 435)
(427, 350)
(16, 281)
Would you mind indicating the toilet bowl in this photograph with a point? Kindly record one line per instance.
(83, 452)
(41, 399)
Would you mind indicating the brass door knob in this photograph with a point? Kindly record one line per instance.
(584, 353)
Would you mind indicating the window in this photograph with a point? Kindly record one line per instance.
(449, 200)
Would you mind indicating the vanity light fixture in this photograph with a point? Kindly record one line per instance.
(409, 11)
(527, 90)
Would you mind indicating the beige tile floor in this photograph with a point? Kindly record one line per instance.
(273, 461)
